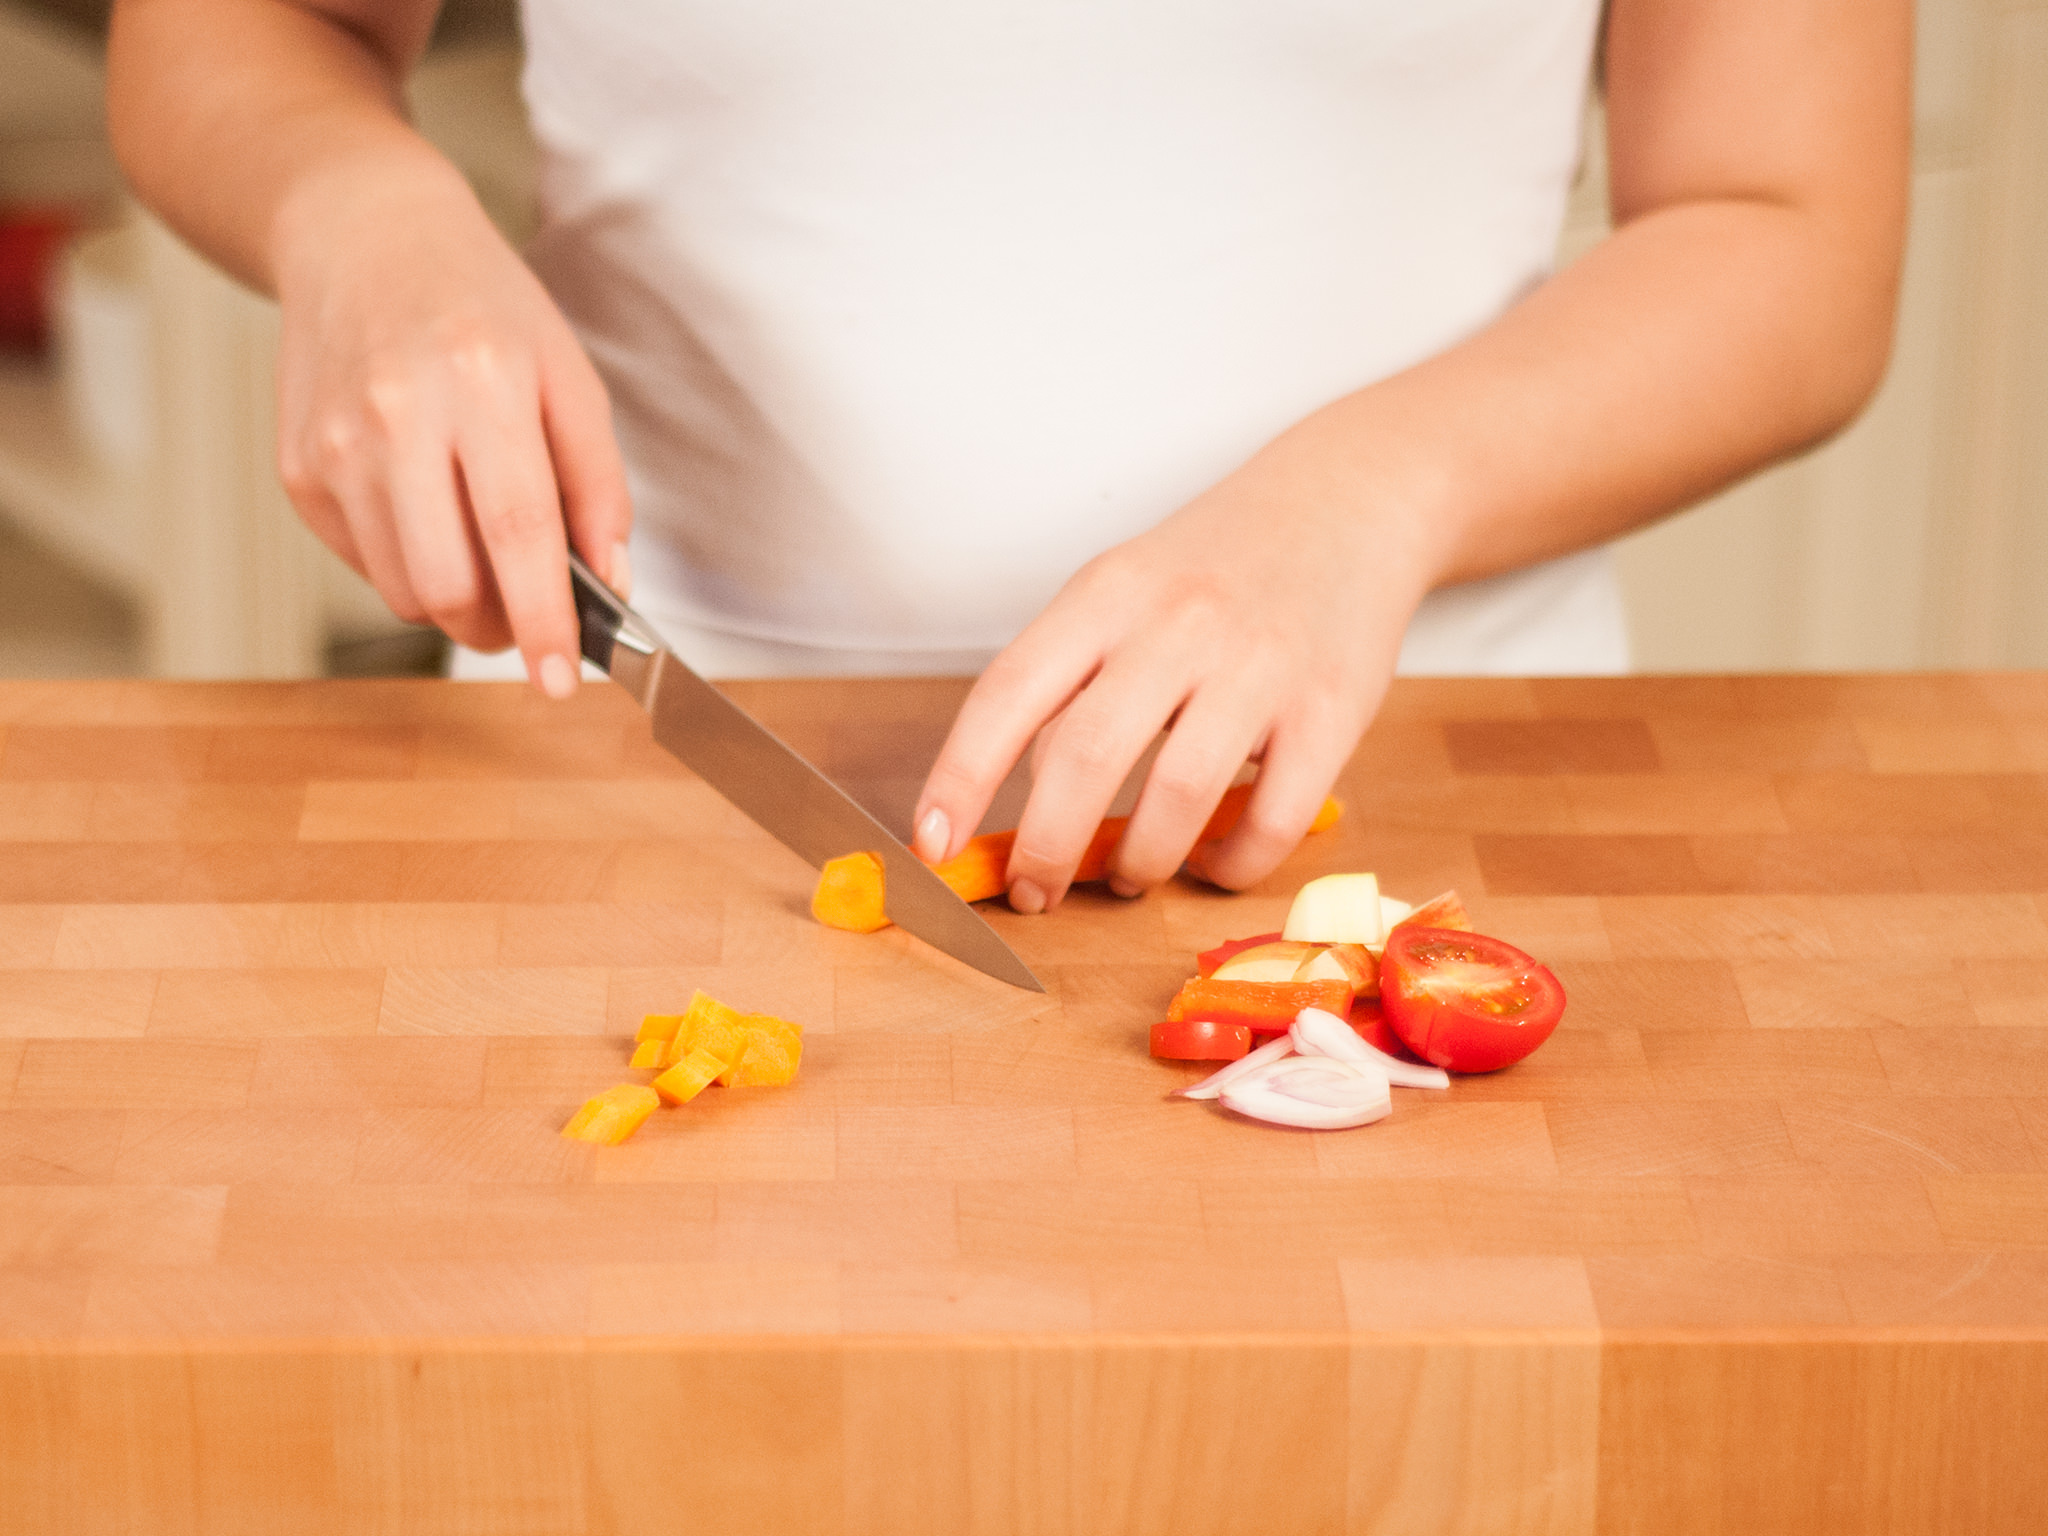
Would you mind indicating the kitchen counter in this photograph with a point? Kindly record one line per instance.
(298, 983)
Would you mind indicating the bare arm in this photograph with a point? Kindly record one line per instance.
(438, 422)
(1741, 310)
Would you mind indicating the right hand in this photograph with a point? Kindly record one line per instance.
(439, 426)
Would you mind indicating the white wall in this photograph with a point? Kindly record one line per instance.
(1919, 538)
(1915, 539)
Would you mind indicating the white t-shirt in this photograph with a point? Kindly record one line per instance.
(910, 307)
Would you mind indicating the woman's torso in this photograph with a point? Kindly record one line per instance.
(908, 309)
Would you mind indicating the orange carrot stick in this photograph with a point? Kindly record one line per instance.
(850, 893)
(977, 871)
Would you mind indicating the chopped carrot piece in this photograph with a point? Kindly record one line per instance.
(704, 1013)
(775, 1048)
(689, 1077)
(649, 1053)
(610, 1117)
(658, 1026)
(849, 894)
(729, 1040)
(791, 1033)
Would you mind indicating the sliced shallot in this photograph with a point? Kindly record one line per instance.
(1316, 1033)
(1354, 1085)
(1261, 1100)
(1212, 1086)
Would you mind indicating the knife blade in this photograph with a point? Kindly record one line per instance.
(771, 784)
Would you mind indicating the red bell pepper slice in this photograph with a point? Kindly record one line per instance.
(1264, 1007)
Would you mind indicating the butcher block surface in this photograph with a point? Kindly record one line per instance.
(299, 982)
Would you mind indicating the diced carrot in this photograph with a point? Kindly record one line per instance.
(774, 1050)
(649, 1053)
(689, 1077)
(658, 1026)
(610, 1117)
(732, 1042)
(850, 894)
(711, 1024)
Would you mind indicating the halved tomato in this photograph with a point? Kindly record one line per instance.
(1464, 1001)
(1369, 1020)
(1200, 1040)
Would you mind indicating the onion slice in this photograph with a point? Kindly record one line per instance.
(1353, 1086)
(1311, 1092)
(1316, 1033)
(1212, 1086)
(1259, 1099)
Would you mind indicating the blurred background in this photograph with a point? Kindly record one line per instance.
(142, 529)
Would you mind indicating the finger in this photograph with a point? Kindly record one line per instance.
(596, 507)
(502, 455)
(1104, 732)
(1217, 730)
(1033, 679)
(321, 513)
(1301, 762)
(447, 570)
(365, 505)
(313, 465)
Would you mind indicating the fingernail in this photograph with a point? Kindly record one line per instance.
(1118, 885)
(934, 832)
(557, 677)
(1026, 898)
(622, 570)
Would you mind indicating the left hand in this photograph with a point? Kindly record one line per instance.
(1741, 310)
(1259, 621)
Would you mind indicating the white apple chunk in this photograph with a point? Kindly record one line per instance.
(1352, 964)
(1337, 909)
(1281, 960)
(1323, 965)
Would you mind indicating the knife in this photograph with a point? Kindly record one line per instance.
(774, 787)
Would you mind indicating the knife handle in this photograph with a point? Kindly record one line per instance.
(603, 620)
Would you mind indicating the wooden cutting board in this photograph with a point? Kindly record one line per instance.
(298, 982)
